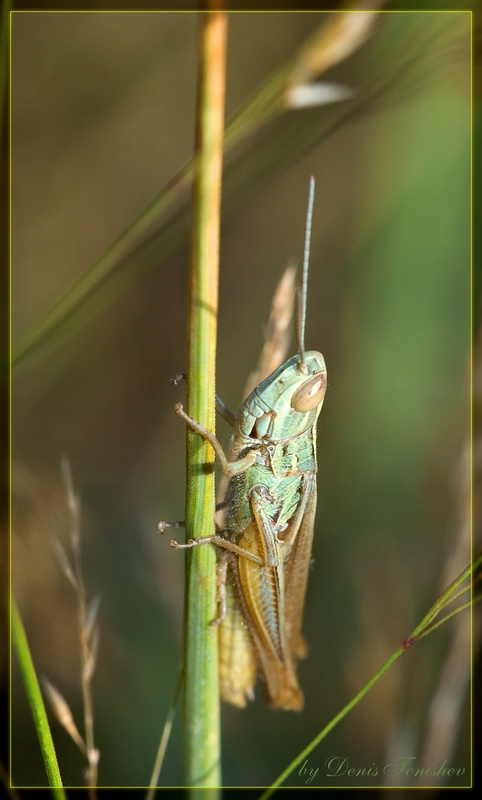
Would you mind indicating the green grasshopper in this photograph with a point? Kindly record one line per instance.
(267, 520)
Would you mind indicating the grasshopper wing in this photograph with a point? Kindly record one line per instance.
(299, 539)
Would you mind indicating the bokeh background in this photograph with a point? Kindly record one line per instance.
(103, 109)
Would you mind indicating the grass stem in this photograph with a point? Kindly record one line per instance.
(201, 700)
(36, 703)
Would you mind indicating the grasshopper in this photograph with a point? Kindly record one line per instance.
(266, 523)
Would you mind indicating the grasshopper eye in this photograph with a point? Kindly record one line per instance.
(310, 394)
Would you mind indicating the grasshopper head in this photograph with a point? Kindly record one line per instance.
(288, 401)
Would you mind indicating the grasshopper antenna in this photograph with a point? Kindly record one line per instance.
(303, 291)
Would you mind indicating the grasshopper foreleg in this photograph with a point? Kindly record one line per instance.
(229, 468)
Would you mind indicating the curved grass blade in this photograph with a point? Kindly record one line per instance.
(36, 702)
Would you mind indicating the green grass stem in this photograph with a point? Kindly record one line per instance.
(36, 704)
(201, 702)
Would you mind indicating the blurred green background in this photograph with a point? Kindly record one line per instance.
(102, 116)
